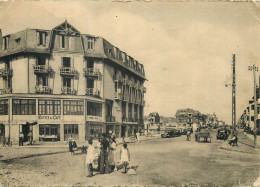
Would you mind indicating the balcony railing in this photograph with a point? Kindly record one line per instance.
(110, 119)
(90, 72)
(42, 69)
(92, 91)
(118, 96)
(43, 90)
(5, 91)
(68, 71)
(6, 72)
(68, 91)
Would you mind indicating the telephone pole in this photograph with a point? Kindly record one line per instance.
(234, 95)
(254, 69)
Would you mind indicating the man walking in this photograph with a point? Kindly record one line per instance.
(104, 165)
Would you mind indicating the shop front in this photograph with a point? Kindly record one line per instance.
(49, 132)
(71, 130)
(94, 130)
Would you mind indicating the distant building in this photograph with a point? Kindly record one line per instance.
(153, 121)
(187, 117)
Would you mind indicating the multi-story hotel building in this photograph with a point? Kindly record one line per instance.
(59, 82)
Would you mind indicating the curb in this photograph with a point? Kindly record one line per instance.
(51, 153)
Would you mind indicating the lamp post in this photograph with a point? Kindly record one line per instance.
(254, 69)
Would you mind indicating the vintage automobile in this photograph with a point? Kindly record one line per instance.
(222, 134)
(168, 133)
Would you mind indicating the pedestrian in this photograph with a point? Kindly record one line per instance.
(188, 135)
(112, 154)
(72, 145)
(125, 156)
(30, 136)
(90, 159)
(138, 136)
(21, 137)
(104, 165)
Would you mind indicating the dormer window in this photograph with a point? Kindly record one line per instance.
(41, 38)
(18, 40)
(64, 41)
(5, 42)
(91, 43)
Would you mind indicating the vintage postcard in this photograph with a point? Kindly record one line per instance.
(129, 93)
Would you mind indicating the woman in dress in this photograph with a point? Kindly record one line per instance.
(112, 154)
(125, 156)
(90, 159)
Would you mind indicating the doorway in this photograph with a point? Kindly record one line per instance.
(123, 128)
(25, 131)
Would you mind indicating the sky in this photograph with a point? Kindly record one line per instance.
(185, 47)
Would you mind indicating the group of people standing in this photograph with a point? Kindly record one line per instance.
(107, 158)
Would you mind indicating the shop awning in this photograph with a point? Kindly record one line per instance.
(31, 123)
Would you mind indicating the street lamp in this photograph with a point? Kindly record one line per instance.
(254, 69)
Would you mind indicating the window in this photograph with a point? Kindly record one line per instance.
(64, 41)
(42, 81)
(94, 109)
(41, 38)
(66, 62)
(4, 107)
(130, 111)
(7, 82)
(5, 42)
(18, 40)
(49, 107)
(41, 60)
(70, 129)
(91, 43)
(49, 131)
(73, 107)
(24, 107)
(67, 82)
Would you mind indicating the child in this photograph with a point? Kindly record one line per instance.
(90, 159)
(125, 156)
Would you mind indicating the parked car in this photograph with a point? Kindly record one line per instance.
(171, 133)
(223, 133)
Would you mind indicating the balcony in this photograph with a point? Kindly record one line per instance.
(118, 96)
(144, 89)
(92, 92)
(110, 119)
(68, 91)
(91, 73)
(43, 90)
(6, 72)
(42, 69)
(68, 71)
(5, 91)
(143, 102)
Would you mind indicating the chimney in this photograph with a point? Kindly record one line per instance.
(1, 39)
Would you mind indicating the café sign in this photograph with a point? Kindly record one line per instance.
(49, 117)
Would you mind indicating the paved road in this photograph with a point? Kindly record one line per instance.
(171, 161)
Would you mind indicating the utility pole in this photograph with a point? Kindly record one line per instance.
(254, 69)
(234, 96)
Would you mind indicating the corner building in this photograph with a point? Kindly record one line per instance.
(59, 82)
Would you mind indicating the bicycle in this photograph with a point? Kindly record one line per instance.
(7, 143)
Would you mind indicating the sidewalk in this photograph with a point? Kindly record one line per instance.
(47, 148)
(245, 144)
